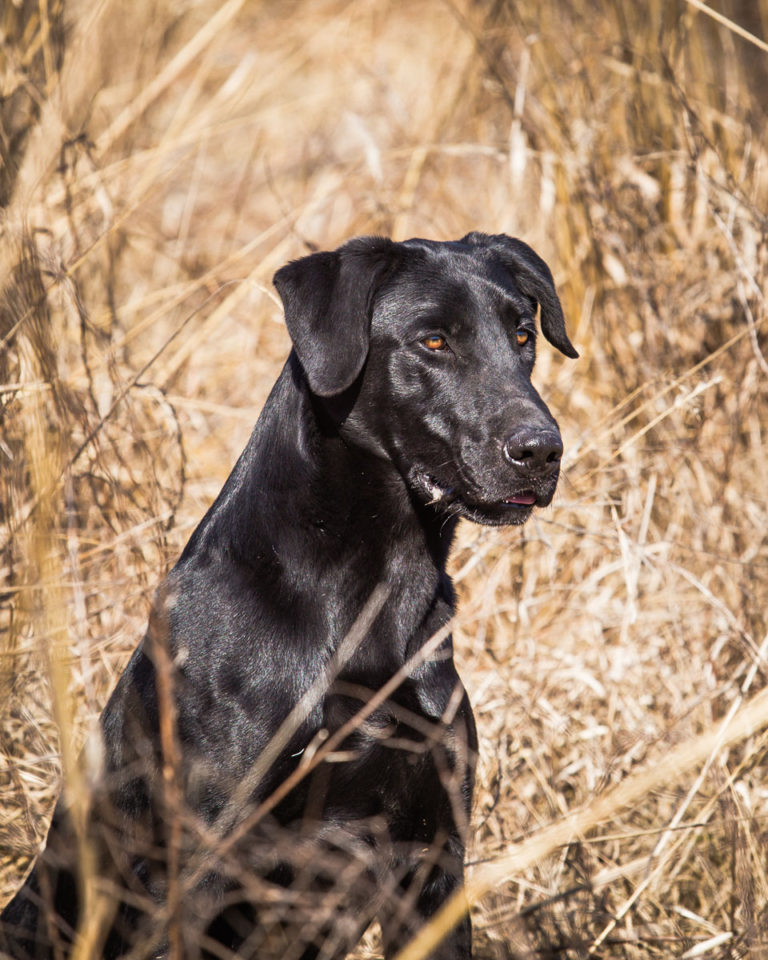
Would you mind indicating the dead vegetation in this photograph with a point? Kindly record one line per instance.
(161, 160)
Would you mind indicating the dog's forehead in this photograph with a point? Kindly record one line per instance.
(437, 275)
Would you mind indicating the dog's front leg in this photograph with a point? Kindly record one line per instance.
(432, 870)
(419, 899)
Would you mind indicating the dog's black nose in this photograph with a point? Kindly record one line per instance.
(534, 451)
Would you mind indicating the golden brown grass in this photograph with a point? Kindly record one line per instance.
(161, 160)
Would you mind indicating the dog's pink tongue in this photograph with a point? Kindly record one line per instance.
(522, 500)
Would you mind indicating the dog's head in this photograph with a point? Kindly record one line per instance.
(433, 344)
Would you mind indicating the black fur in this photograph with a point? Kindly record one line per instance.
(405, 404)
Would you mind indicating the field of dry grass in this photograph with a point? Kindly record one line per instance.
(161, 159)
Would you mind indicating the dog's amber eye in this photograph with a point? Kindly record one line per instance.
(435, 342)
(522, 337)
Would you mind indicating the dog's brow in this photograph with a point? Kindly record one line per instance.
(515, 307)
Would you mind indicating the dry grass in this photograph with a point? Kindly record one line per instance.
(161, 160)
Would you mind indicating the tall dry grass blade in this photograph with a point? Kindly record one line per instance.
(729, 24)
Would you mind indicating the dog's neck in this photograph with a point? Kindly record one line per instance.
(298, 479)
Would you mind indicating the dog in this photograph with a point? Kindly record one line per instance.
(289, 753)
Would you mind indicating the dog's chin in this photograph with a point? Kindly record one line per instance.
(492, 514)
(515, 509)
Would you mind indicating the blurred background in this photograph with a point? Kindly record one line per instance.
(160, 160)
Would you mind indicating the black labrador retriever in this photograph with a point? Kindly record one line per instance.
(289, 752)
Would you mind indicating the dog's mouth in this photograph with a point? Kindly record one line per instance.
(512, 509)
(525, 499)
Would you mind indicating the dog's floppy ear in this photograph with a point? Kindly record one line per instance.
(534, 279)
(328, 300)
